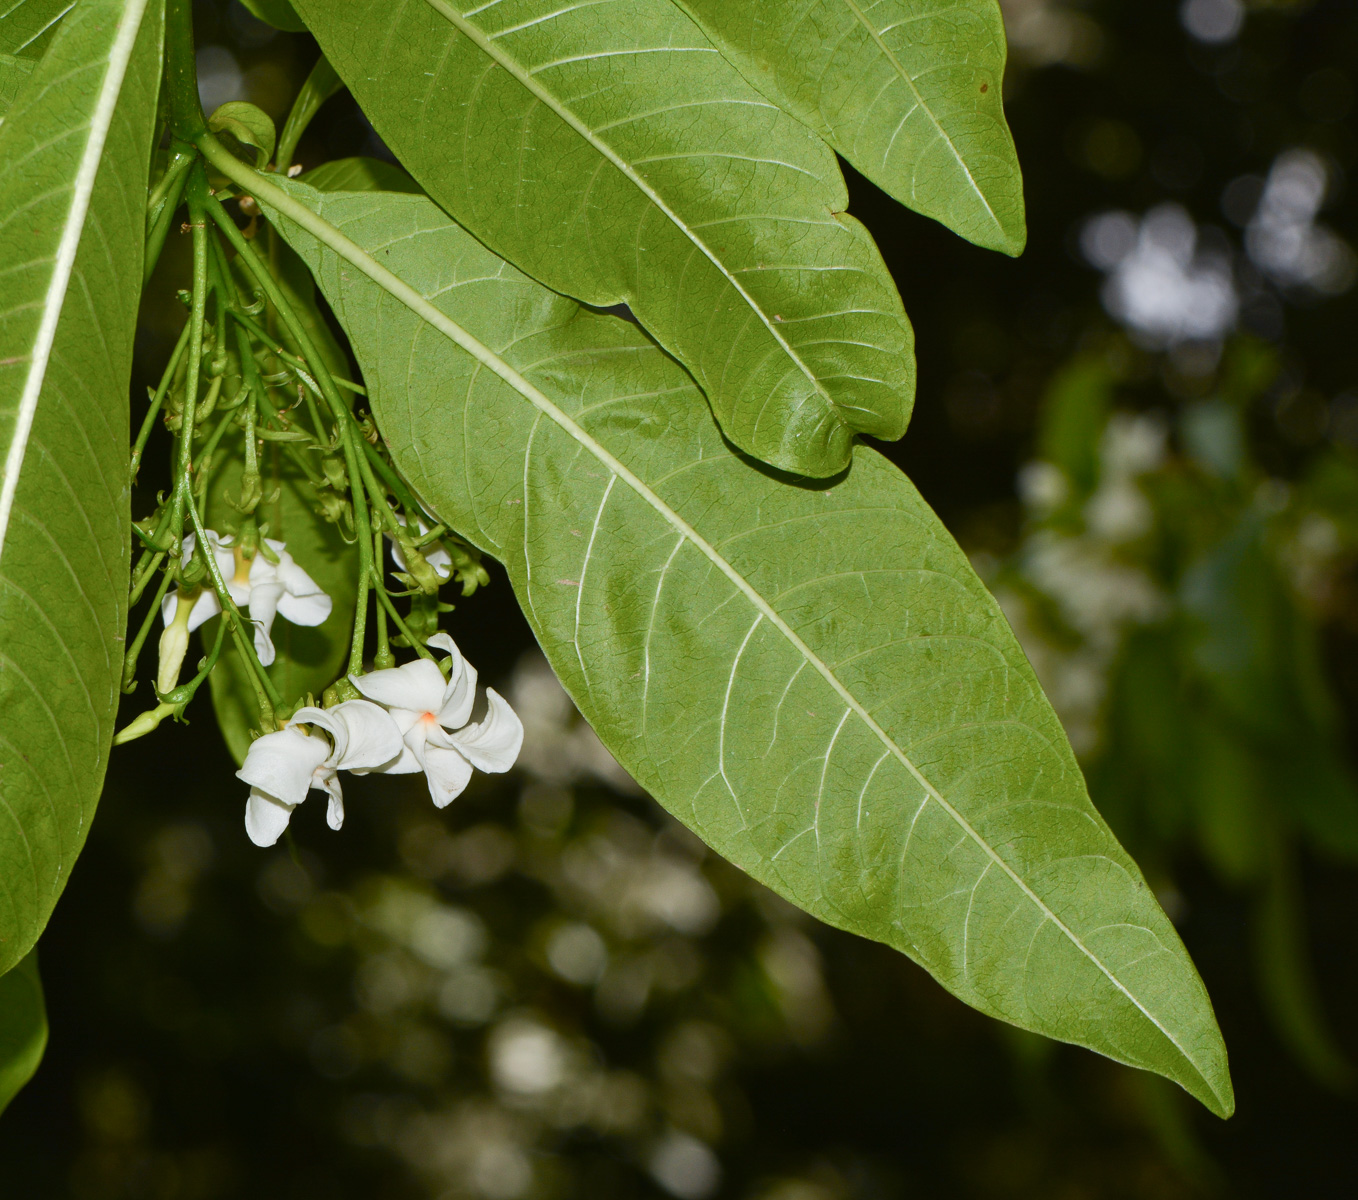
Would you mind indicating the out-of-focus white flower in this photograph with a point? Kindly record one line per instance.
(1158, 284)
(432, 714)
(261, 587)
(1212, 21)
(282, 767)
(1283, 239)
(434, 554)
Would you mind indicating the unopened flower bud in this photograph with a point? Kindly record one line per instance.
(174, 643)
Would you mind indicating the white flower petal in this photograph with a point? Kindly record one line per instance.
(417, 686)
(494, 742)
(459, 694)
(310, 609)
(281, 764)
(327, 781)
(262, 607)
(372, 737)
(447, 773)
(265, 817)
(327, 720)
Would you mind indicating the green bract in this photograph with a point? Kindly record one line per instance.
(75, 145)
(811, 677)
(608, 150)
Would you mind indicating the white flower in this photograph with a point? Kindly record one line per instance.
(258, 586)
(432, 716)
(282, 767)
(434, 554)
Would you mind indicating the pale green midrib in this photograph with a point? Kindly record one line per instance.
(118, 56)
(890, 56)
(354, 254)
(471, 32)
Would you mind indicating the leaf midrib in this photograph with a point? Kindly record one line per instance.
(492, 51)
(890, 55)
(118, 56)
(354, 254)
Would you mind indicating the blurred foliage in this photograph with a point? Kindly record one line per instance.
(550, 990)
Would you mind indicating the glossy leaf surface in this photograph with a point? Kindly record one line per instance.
(907, 90)
(608, 150)
(812, 678)
(23, 1026)
(76, 149)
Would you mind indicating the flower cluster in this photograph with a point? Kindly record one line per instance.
(411, 719)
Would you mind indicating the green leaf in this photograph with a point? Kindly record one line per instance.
(321, 83)
(308, 658)
(14, 73)
(28, 26)
(613, 154)
(360, 175)
(278, 13)
(249, 125)
(23, 1026)
(76, 148)
(907, 90)
(811, 677)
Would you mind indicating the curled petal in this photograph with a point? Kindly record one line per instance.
(416, 686)
(262, 607)
(493, 743)
(281, 764)
(447, 773)
(265, 817)
(364, 735)
(459, 694)
(327, 781)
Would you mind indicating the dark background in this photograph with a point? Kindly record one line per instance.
(214, 1036)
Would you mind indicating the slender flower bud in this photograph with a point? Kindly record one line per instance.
(174, 643)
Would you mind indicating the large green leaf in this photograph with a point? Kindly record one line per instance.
(907, 90)
(27, 26)
(23, 1026)
(613, 154)
(812, 678)
(278, 13)
(76, 150)
(14, 73)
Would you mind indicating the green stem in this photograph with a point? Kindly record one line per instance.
(416, 643)
(197, 189)
(164, 203)
(339, 409)
(144, 577)
(384, 658)
(320, 85)
(181, 73)
(134, 650)
(158, 399)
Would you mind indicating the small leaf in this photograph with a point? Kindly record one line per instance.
(27, 28)
(76, 148)
(811, 677)
(608, 150)
(278, 13)
(360, 175)
(249, 125)
(907, 90)
(23, 1026)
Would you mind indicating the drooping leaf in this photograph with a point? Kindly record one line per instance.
(76, 149)
(278, 13)
(23, 1026)
(249, 125)
(907, 90)
(28, 26)
(609, 151)
(14, 73)
(812, 678)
